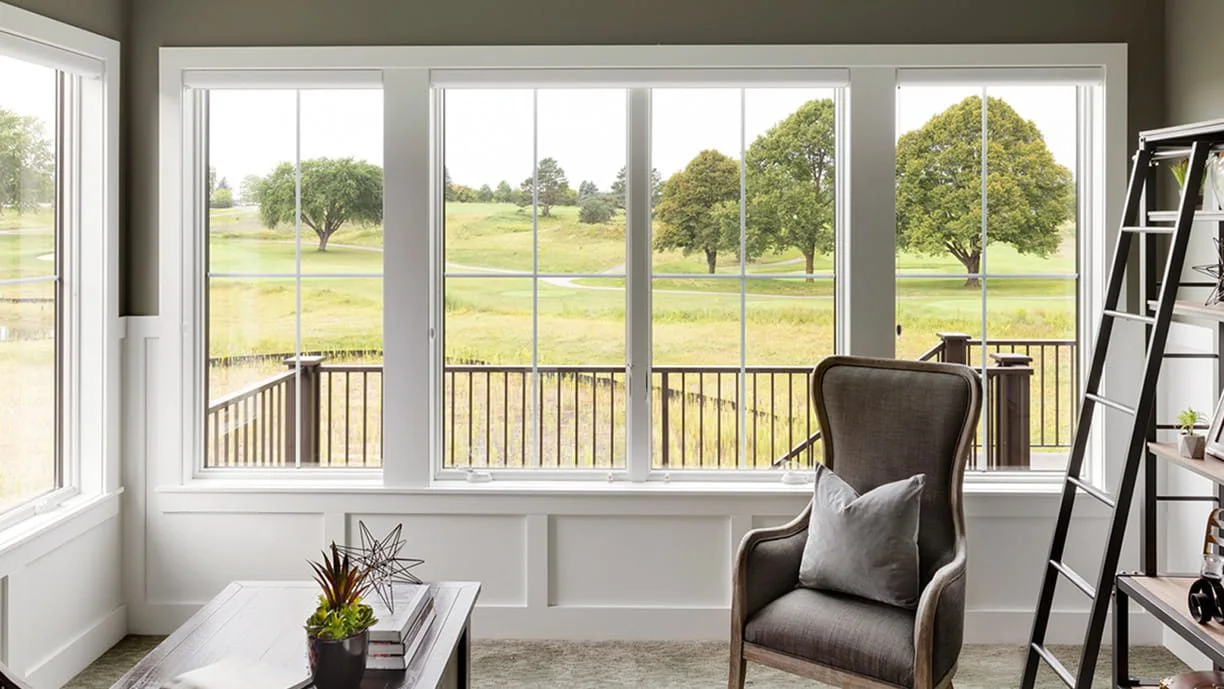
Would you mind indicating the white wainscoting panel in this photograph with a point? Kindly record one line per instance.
(491, 549)
(193, 556)
(670, 561)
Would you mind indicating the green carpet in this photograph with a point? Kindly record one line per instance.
(678, 665)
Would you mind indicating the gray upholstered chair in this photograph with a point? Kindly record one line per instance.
(881, 420)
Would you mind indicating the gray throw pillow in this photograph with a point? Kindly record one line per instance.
(864, 545)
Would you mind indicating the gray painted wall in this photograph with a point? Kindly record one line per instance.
(158, 23)
(106, 17)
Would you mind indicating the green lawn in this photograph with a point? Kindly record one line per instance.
(695, 320)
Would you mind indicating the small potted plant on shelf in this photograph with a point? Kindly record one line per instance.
(1189, 443)
(339, 630)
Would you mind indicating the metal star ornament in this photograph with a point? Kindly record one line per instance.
(381, 559)
(1215, 272)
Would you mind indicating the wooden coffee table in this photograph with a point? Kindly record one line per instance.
(263, 620)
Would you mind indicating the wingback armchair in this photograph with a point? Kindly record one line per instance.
(881, 420)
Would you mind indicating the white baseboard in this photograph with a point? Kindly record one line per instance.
(1065, 627)
(596, 623)
(66, 661)
(1185, 652)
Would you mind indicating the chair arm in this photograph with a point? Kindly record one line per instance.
(767, 566)
(939, 626)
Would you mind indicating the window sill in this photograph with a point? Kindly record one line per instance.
(31, 538)
(1030, 486)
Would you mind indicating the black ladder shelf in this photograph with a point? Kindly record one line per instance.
(1156, 307)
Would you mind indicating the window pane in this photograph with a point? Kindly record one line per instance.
(581, 180)
(27, 367)
(939, 180)
(489, 394)
(251, 144)
(251, 395)
(696, 145)
(696, 349)
(488, 163)
(341, 371)
(1031, 176)
(1034, 318)
(28, 309)
(342, 181)
(27, 169)
(789, 330)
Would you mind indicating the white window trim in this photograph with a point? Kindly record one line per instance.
(406, 74)
(90, 324)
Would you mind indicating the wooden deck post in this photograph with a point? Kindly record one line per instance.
(309, 418)
(1012, 379)
(956, 348)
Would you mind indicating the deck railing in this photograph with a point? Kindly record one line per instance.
(567, 417)
(1032, 393)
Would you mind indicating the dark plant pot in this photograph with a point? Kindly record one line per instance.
(340, 663)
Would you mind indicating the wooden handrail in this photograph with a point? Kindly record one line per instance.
(227, 400)
(796, 450)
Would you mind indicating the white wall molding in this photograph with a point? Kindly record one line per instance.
(62, 664)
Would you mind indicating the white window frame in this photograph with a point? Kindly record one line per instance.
(88, 250)
(866, 305)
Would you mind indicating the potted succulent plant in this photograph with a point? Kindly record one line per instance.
(1189, 443)
(338, 632)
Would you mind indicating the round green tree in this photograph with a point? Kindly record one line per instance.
(335, 192)
(692, 208)
(939, 185)
(791, 183)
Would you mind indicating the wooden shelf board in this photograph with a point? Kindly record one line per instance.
(1194, 310)
(1165, 597)
(1171, 216)
(1209, 466)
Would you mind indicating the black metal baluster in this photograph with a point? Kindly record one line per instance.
(683, 421)
(505, 416)
(701, 419)
(365, 416)
(595, 418)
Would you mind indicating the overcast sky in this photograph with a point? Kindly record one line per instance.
(489, 133)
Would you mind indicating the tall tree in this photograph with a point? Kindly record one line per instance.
(693, 219)
(939, 185)
(484, 194)
(790, 183)
(553, 189)
(503, 193)
(27, 162)
(586, 190)
(335, 192)
(656, 188)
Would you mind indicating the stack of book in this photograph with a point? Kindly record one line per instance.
(397, 636)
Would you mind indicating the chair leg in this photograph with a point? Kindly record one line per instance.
(735, 677)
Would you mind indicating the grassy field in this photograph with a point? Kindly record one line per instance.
(581, 321)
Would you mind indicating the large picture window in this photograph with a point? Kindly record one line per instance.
(621, 264)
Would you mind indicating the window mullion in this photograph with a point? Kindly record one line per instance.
(638, 451)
